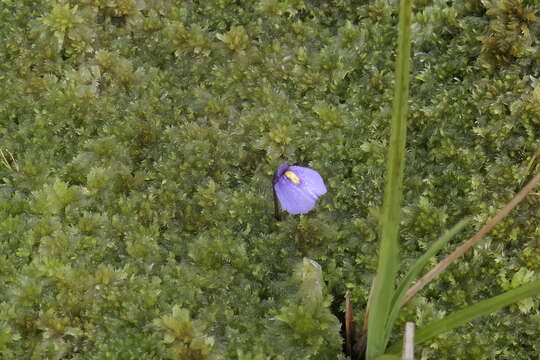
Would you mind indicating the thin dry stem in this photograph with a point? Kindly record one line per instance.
(6, 162)
(441, 266)
(359, 348)
(349, 324)
(408, 342)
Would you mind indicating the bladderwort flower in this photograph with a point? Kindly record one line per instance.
(297, 188)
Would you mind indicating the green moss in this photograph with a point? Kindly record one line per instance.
(143, 136)
(182, 339)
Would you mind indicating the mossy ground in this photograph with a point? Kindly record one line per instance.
(139, 139)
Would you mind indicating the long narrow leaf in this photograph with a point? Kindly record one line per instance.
(472, 312)
(443, 264)
(415, 270)
(389, 250)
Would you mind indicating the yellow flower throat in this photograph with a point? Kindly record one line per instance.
(292, 176)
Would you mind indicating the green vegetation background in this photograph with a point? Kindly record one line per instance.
(136, 209)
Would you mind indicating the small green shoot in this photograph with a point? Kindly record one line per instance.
(415, 270)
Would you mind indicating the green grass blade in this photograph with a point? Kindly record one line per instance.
(472, 312)
(383, 289)
(415, 270)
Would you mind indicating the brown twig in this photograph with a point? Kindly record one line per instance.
(360, 347)
(441, 266)
(276, 206)
(349, 324)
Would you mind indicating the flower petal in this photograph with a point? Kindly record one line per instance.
(294, 198)
(310, 180)
(282, 168)
(298, 188)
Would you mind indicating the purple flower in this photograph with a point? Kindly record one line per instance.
(298, 188)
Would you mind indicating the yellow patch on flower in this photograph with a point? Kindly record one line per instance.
(292, 176)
